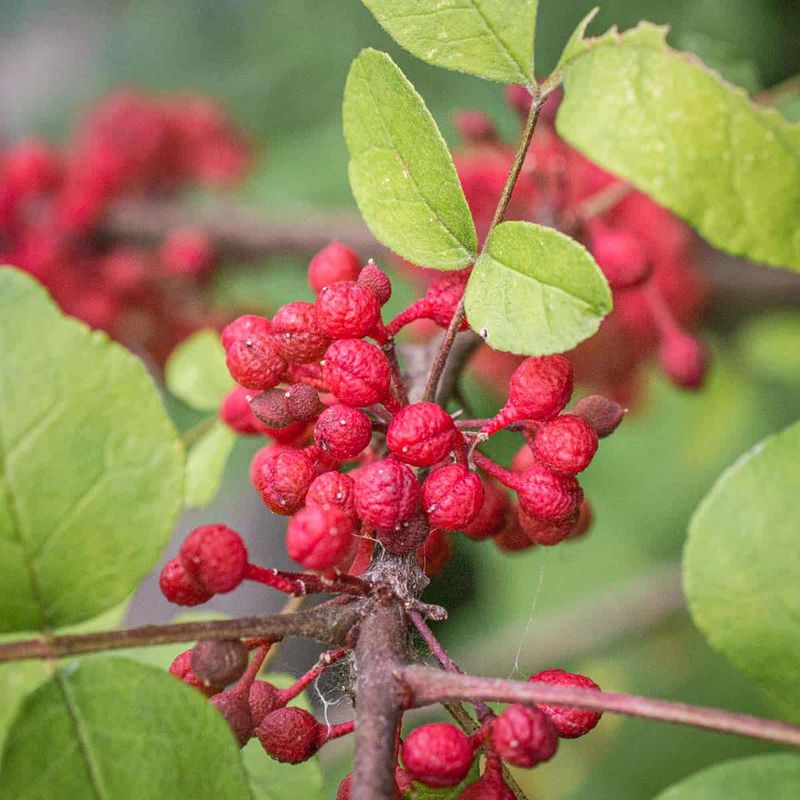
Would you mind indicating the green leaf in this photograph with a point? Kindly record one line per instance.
(196, 372)
(91, 467)
(575, 44)
(776, 777)
(401, 172)
(104, 729)
(769, 344)
(696, 144)
(535, 291)
(489, 38)
(741, 563)
(205, 464)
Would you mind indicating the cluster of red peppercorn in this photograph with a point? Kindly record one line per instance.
(129, 146)
(645, 253)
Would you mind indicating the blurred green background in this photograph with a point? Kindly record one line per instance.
(279, 66)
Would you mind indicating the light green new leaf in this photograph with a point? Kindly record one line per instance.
(91, 468)
(742, 560)
(117, 730)
(401, 172)
(696, 144)
(205, 464)
(575, 44)
(196, 372)
(489, 38)
(535, 291)
(776, 777)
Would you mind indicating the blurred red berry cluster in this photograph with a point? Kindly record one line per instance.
(129, 146)
(645, 253)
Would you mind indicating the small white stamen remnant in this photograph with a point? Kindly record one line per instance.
(484, 334)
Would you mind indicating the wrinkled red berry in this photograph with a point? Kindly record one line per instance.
(264, 698)
(333, 488)
(347, 310)
(377, 281)
(179, 587)
(237, 414)
(490, 786)
(546, 532)
(435, 553)
(511, 538)
(342, 432)
(421, 434)
(290, 735)
(219, 663)
(523, 736)
(236, 711)
(215, 556)
(256, 362)
(570, 723)
(357, 372)
(491, 516)
(406, 537)
(298, 334)
(245, 326)
(265, 456)
(438, 755)
(683, 359)
(540, 387)
(283, 479)
(387, 494)
(335, 262)
(566, 444)
(319, 537)
(585, 519)
(548, 496)
(452, 497)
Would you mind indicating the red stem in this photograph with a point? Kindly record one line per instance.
(495, 471)
(256, 662)
(325, 660)
(301, 583)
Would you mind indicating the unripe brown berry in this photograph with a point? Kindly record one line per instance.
(421, 434)
(219, 663)
(387, 494)
(215, 556)
(290, 735)
(302, 402)
(270, 408)
(452, 497)
(570, 723)
(342, 432)
(236, 711)
(602, 414)
(438, 755)
(181, 668)
(296, 330)
(523, 736)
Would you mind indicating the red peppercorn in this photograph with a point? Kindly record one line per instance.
(237, 414)
(256, 362)
(333, 488)
(570, 723)
(187, 252)
(342, 432)
(406, 537)
(243, 327)
(387, 494)
(683, 359)
(524, 737)
(452, 497)
(347, 310)
(435, 553)
(488, 787)
(236, 711)
(283, 480)
(179, 587)
(620, 255)
(546, 495)
(290, 735)
(421, 434)
(512, 538)
(491, 516)
(438, 755)
(335, 262)
(297, 331)
(585, 519)
(215, 556)
(319, 537)
(264, 698)
(565, 444)
(377, 281)
(357, 372)
(546, 532)
(263, 456)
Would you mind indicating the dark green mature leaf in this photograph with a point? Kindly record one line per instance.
(401, 172)
(741, 563)
(196, 372)
(92, 468)
(698, 145)
(535, 291)
(110, 729)
(205, 464)
(776, 777)
(489, 38)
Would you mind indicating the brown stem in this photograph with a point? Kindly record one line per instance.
(502, 206)
(381, 649)
(326, 624)
(427, 686)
